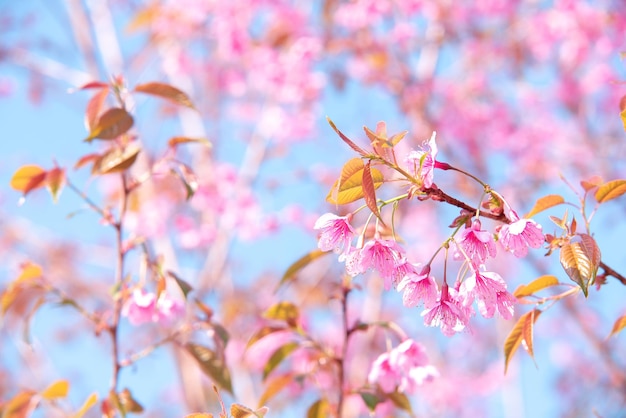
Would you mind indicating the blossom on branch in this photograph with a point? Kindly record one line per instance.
(477, 244)
(418, 288)
(422, 162)
(448, 313)
(517, 236)
(336, 232)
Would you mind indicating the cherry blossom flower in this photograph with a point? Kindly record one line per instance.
(336, 232)
(517, 236)
(485, 288)
(418, 288)
(477, 244)
(404, 368)
(422, 162)
(447, 313)
(143, 307)
(383, 255)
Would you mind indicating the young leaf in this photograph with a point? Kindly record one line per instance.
(199, 415)
(283, 311)
(619, 325)
(93, 85)
(265, 331)
(319, 409)
(369, 191)
(20, 406)
(28, 178)
(173, 142)
(401, 401)
(622, 116)
(591, 183)
(111, 124)
(278, 356)
(371, 400)
(94, 108)
(128, 403)
(183, 285)
(349, 187)
(536, 285)
(544, 203)
(55, 179)
(89, 402)
(347, 140)
(212, 365)
(581, 260)
(116, 159)
(522, 331)
(56, 390)
(165, 91)
(86, 159)
(610, 190)
(298, 265)
(240, 411)
(275, 385)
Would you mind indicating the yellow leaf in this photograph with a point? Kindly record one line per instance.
(622, 115)
(522, 331)
(319, 409)
(58, 389)
(27, 178)
(29, 271)
(544, 203)
(349, 187)
(199, 415)
(610, 190)
(299, 264)
(619, 325)
(282, 311)
(535, 286)
(91, 401)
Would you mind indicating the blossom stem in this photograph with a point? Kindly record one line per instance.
(446, 166)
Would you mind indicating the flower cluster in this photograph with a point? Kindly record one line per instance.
(446, 306)
(142, 307)
(402, 369)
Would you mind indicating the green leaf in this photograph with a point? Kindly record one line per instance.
(619, 325)
(319, 409)
(610, 190)
(298, 265)
(544, 203)
(278, 356)
(165, 91)
(401, 401)
(212, 365)
(371, 400)
(283, 311)
(536, 285)
(111, 124)
(349, 187)
(522, 331)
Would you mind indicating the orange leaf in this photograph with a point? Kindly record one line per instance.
(111, 124)
(58, 389)
(86, 159)
(610, 190)
(349, 187)
(522, 331)
(622, 116)
(581, 260)
(591, 183)
(116, 160)
(369, 191)
(55, 179)
(186, 140)
(535, 286)
(544, 203)
(28, 178)
(619, 325)
(94, 108)
(347, 140)
(20, 406)
(165, 91)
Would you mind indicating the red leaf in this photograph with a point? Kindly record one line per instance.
(165, 91)
(369, 191)
(93, 85)
(347, 140)
(94, 108)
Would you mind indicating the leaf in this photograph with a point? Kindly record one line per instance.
(28, 178)
(371, 400)
(89, 402)
(522, 331)
(58, 389)
(221, 333)
(347, 140)
(212, 365)
(189, 179)
(278, 356)
(128, 403)
(319, 409)
(369, 191)
(581, 260)
(401, 401)
(183, 285)
(111, 124)
(610, 190)
(173, 142)
(536, 285)
(20, 405)
(298, 265)
(591, 183)
(93, 85)
(622, 116)
(116, 159)
(165, 91)
(94, 108)
(55, 179)
(619, 325)
(349, 187)
(263, 332)
(283, 311)
(544, 203)
(86, 159)
(199, 415)
(275, 385)
(25, 280)
(29, 272)
(240, 411)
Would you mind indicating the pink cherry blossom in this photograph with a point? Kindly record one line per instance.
(517, 236)
(477, 244)
(504, 305)
(418, 288)
(383, 255)
(336, 232)
(168, 309)
(483, 287)
(403, 268)
(404, 368)
(139, 308)
(422, 162)
(447, 313)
